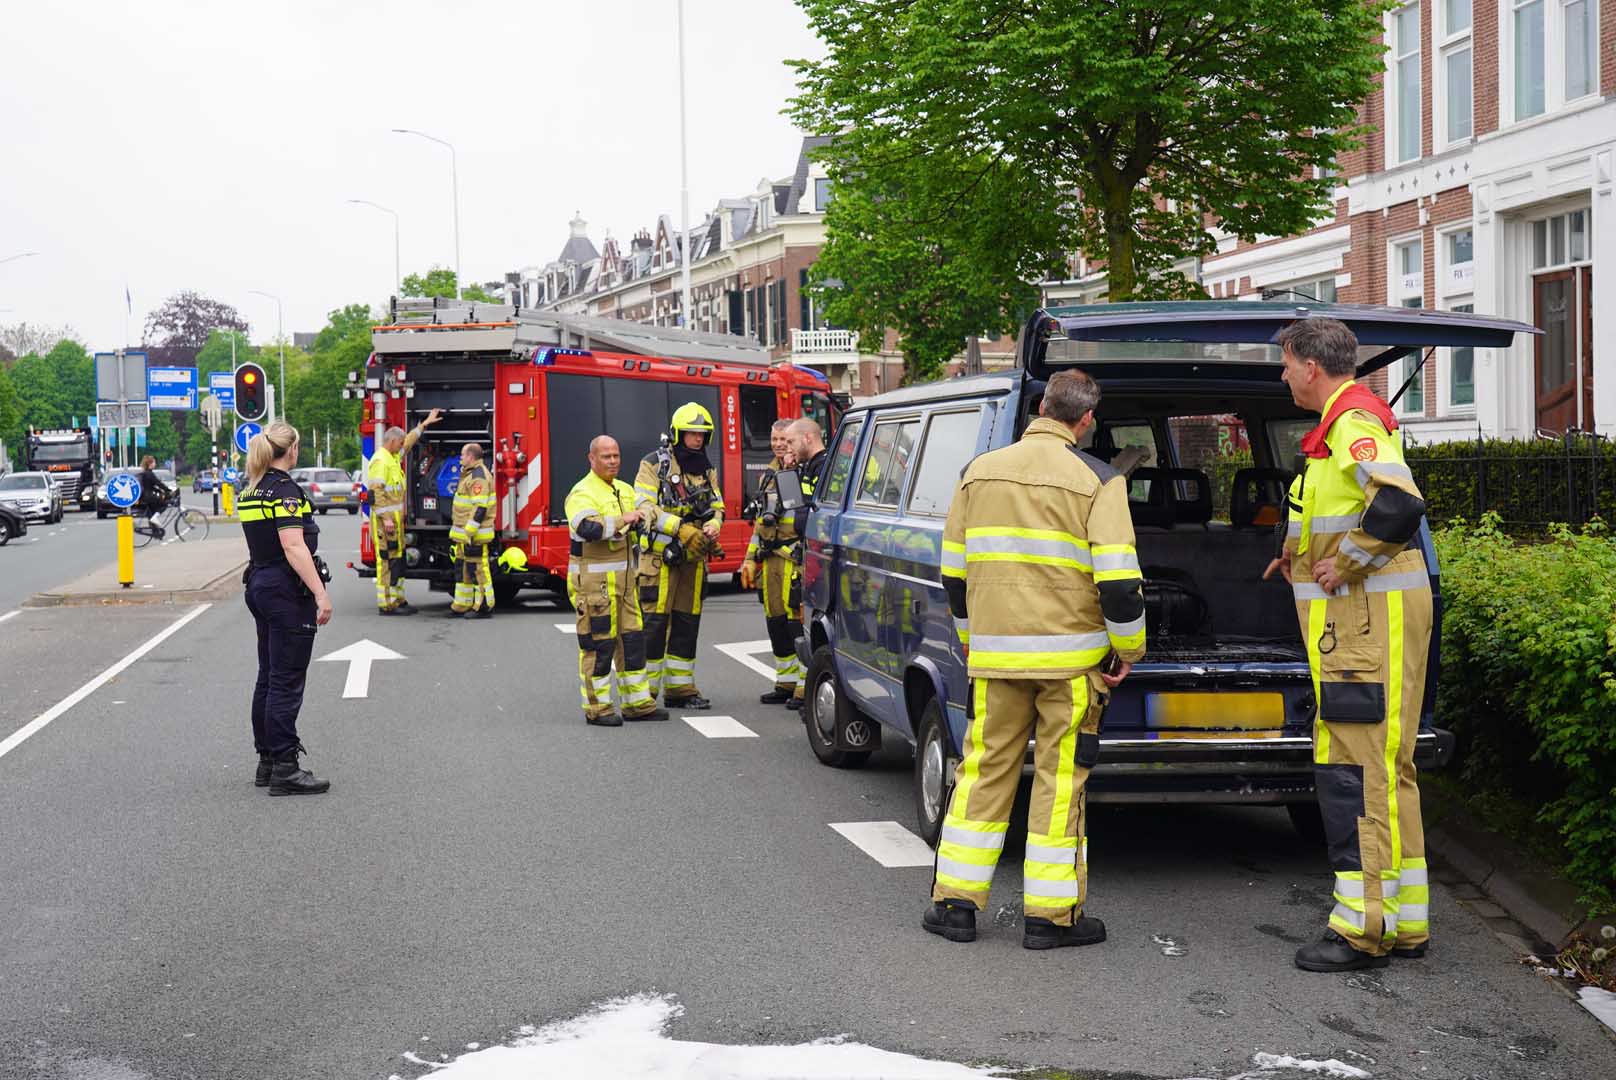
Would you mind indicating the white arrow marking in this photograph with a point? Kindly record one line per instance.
(359, 656)
(745, 652)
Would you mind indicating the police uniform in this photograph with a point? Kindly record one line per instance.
(671, 594)
(384, 476)
(284, 611)
(471, 530)
(1356, 505)
(601, 584)
(773, 548)
(1043, 582)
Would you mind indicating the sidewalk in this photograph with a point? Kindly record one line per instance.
(177, 572)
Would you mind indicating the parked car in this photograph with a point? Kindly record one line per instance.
(1221, 708)
(204, 481)
(11, 524)
(33, 495)
(104, 506)
(329, 489)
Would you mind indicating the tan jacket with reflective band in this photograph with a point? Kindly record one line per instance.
(474, 493)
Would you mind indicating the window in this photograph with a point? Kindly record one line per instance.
(891, 451)
(757, 417)
(1552, 47)
(949, 447)
(1580, 36)
(1285, 440)
(822, 194)
(841, 463)
(1408, 291)
(1404, 114)
(1560, 240)
(1132, 446)
(1462, 371)
(1529, 46)
(1322, 290)
(1454, 82)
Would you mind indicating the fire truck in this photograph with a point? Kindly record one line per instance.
(533, 388)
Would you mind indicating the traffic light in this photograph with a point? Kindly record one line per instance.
(252, 399)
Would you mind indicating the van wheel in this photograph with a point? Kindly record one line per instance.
(934, 771)
(824, 706)
(352, 510)
(1307, 819)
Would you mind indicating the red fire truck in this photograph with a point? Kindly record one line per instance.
(533, 389)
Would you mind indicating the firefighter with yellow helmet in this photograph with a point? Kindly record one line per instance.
(471, 530)
(680, 480)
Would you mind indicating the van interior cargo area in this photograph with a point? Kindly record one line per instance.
(1205, 598)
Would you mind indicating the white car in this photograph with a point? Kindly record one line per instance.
(33, 495)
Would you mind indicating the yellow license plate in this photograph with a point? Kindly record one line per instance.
(339, 498)
(1215, 711)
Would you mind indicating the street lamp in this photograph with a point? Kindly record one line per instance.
(397, 286)
(454, 182)
(684, 183)
(19, 255)
(280, 332)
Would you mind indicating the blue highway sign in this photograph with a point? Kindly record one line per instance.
(172, 388)
(222, 385)
(123, 490)
(245, 432)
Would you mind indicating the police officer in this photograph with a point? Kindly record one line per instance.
(603, 513)
(385, 478)
(1363, 598)
(471, 530)
(771, 560)
(1044, 585)
(679, 480)
(287, 597)
(807, 444)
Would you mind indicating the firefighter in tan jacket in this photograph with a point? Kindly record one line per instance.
(1363, 598)
(1044, 584)
(471, 530)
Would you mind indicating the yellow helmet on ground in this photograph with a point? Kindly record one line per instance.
(513, 559)
(691, 417)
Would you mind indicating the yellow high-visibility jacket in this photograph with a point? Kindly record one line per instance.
(384, 475)
(777, 539)
(595, 510)
(472, 519)
(1039, 561)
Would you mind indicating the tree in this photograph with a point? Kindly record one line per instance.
(1130, 126)
(440, 281)
(186, 320)
(55, 388)
(20, 339)
(341, 346)
(10, 415)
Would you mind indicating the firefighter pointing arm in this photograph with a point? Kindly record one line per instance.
(385, 477)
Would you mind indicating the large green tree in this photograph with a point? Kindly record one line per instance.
(318, 407)
(10, 415)
(1127, 129)
(440, 281)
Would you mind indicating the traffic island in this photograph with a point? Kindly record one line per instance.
(175, 572)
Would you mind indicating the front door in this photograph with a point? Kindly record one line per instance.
(1564, 351)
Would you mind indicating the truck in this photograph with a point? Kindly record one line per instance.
(533, 388)
(69, 456)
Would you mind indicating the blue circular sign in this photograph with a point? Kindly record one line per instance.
(123, 490)
(232, 476)
(245, 432)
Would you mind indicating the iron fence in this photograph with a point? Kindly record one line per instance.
(1530, 485)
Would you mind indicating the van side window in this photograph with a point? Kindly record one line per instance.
(1131, 445)
(949, 446)
(841, 464)
(891, 453)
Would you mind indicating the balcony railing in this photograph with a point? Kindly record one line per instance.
(822, 342)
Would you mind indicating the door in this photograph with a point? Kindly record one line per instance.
(1564, 351)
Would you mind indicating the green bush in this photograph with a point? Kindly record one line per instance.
(1529, 484)
(1528, 655)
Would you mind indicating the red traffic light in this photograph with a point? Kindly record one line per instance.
(249, 377)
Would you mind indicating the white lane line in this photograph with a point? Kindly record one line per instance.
(720, 727)
(18, 737)
(742, 653)
(887, 842)
(10, 615)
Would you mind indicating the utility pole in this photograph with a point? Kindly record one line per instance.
(454, 186)
(280, 332)
(397, 278)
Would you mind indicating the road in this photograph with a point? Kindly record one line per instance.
(485, 861)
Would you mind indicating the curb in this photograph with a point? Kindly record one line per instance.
(225, 585)
(1540, 901)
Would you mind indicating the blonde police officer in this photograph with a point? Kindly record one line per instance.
(1363, 597)
(602, 514)
(385, 478)
(681, 481)
(471, 530)
(771, 561)
(1044, 585)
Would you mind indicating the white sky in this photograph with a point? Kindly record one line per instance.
(211, 146)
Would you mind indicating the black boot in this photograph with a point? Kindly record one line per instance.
(482, 613)
(951, 919)
(287, 777)
(266, 762)
(1039, 933)
(610, 719)
(776, 696)
(696, 702)
(1332, 953)
(795, 704)
(1412, 952)
(400, 610)
(654, 714)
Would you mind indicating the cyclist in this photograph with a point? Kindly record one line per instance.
(154, 494)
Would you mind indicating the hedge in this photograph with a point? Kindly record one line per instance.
(1528, 484)
(1529, 680)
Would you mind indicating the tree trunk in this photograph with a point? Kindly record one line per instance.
(1119, 269)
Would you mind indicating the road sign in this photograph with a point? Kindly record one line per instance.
(133, 386)
(232, 475)
(123, 490)
(244, 433)
(212, 413)
(222, 385)
(112, 415)
(172, 388)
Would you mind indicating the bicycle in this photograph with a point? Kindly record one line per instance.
(187, 523)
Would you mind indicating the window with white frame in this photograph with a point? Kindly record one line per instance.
(1407, 280)
(1457, 254)
(1560, 240)
(1453, 107)
(1320, 289)
(1403, 108)
(1552, 50)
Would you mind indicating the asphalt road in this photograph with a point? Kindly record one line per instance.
(486, 861)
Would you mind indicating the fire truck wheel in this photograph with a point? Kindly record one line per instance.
(505, 593)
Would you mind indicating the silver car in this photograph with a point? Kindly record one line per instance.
(33, 495)
(329, 489)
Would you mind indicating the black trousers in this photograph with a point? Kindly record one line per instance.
(286, 629)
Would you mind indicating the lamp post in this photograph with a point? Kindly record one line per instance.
(684, 185)
(454, 186)
(19, 255)
(397, 280)
(280, 332)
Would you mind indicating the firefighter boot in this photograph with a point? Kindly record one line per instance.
(1412, 952)
(951, 919)
(1039, 933)
(287, 777)
(776, 696)
(1332, 953)
(266, 762)
(654, 714)
(610, 719)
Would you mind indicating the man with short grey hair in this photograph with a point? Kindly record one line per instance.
(385, 479)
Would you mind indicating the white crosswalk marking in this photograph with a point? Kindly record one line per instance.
(720, 727)
(567, 627)
(745, 652)
(887, 842)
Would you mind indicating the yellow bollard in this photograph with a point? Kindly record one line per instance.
(126, 550)
(227, 499)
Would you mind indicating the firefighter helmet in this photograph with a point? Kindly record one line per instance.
(513, 559)
(691, 417)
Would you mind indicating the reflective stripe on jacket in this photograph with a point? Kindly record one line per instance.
(1039, 561)
(472, 520)
(384, 475)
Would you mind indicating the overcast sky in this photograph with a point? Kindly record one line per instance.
(211, 146)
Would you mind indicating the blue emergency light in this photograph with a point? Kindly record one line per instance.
(545, 355)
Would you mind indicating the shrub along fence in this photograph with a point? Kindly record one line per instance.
(1530, 484)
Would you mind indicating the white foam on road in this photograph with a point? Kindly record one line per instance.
(887, 842)
(627, 1039)
(10, 615)
(745, 653)
(720, 727)
(1602, 1003)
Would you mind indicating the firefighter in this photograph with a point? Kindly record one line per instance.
(679, 480)
(603, 513)
(771, 561)
(470, 532)
(807, 444)
(1363, 598)
(384, 476)
(1043, 581)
